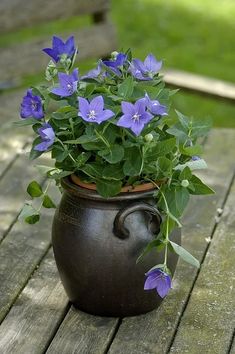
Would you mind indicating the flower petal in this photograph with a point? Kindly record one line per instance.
(106, 114)
(125, 121)
(97, 104)
(128, 108)
(151, 64)
(163, 285)
(84, 107)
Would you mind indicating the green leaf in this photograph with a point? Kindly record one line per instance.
(113, 172)
(200, 128)
(47, 202)
(93, 170)
(89, 90)
(59, 153)
(32, 219)
(184, 121)
(200, 187)
(112, 155)
(193, 165)
(108, 188)
(29, 214)
(185, 255)
(160, 149)
(164, 167)
(34, 153)
(125, 89)
(57, 175)
(133, 163)
(185, 174)
(34, 189)
(25, 121)
(192, 150)
(177, 200)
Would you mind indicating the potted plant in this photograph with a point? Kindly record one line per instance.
(126, 167)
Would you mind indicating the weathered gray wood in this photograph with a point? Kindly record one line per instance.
(12, 139)
(208, 322)
(81, 333)
(28, 58)
(152, 333)
(232, 351)
(13, 192)
(36, 314)
(20, 13)
(202, 84)
(20, 252)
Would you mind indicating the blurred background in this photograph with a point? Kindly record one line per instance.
(196, 36)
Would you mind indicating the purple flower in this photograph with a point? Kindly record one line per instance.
(147, 69)
(31, 106)
(68, 84)
(135, 116)
(159, 280)
(94, 73)
(47, 135)
(94, 111)
(155, 107)
(116, 63)
(59, 48)
(195, 158)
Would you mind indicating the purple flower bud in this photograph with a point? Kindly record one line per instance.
(31, 106)
(135, 116)
(159, 280)
(59, 48)
(47, 135)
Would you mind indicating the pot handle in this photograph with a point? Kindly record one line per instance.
(118, 226)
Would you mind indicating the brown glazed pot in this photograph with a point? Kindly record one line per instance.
(96, 243)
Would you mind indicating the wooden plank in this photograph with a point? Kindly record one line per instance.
(81, 333)
(36, 314)
(202, 84)
(20, 13)
(28, 58)
(232, 350)
(153, 332)
(13, 191)
(209, 321)
(22, 249)
(12, 139)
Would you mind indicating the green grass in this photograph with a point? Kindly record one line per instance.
(191, 35)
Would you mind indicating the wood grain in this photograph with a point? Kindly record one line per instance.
(20, 13)
(208, 322)
(12, 139)
(36, 313)
(153, 332)
(27, 57)
(20, 253)
(81, 333)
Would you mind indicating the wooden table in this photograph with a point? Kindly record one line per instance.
(196, 317)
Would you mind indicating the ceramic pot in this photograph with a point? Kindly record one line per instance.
(96, 243)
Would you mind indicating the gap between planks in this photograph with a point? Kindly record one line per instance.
(201, 265)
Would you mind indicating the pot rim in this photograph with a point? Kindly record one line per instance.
(69, 185)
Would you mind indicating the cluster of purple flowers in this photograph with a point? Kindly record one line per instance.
(135, 116)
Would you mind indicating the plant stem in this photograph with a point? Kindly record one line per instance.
(65, 148)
